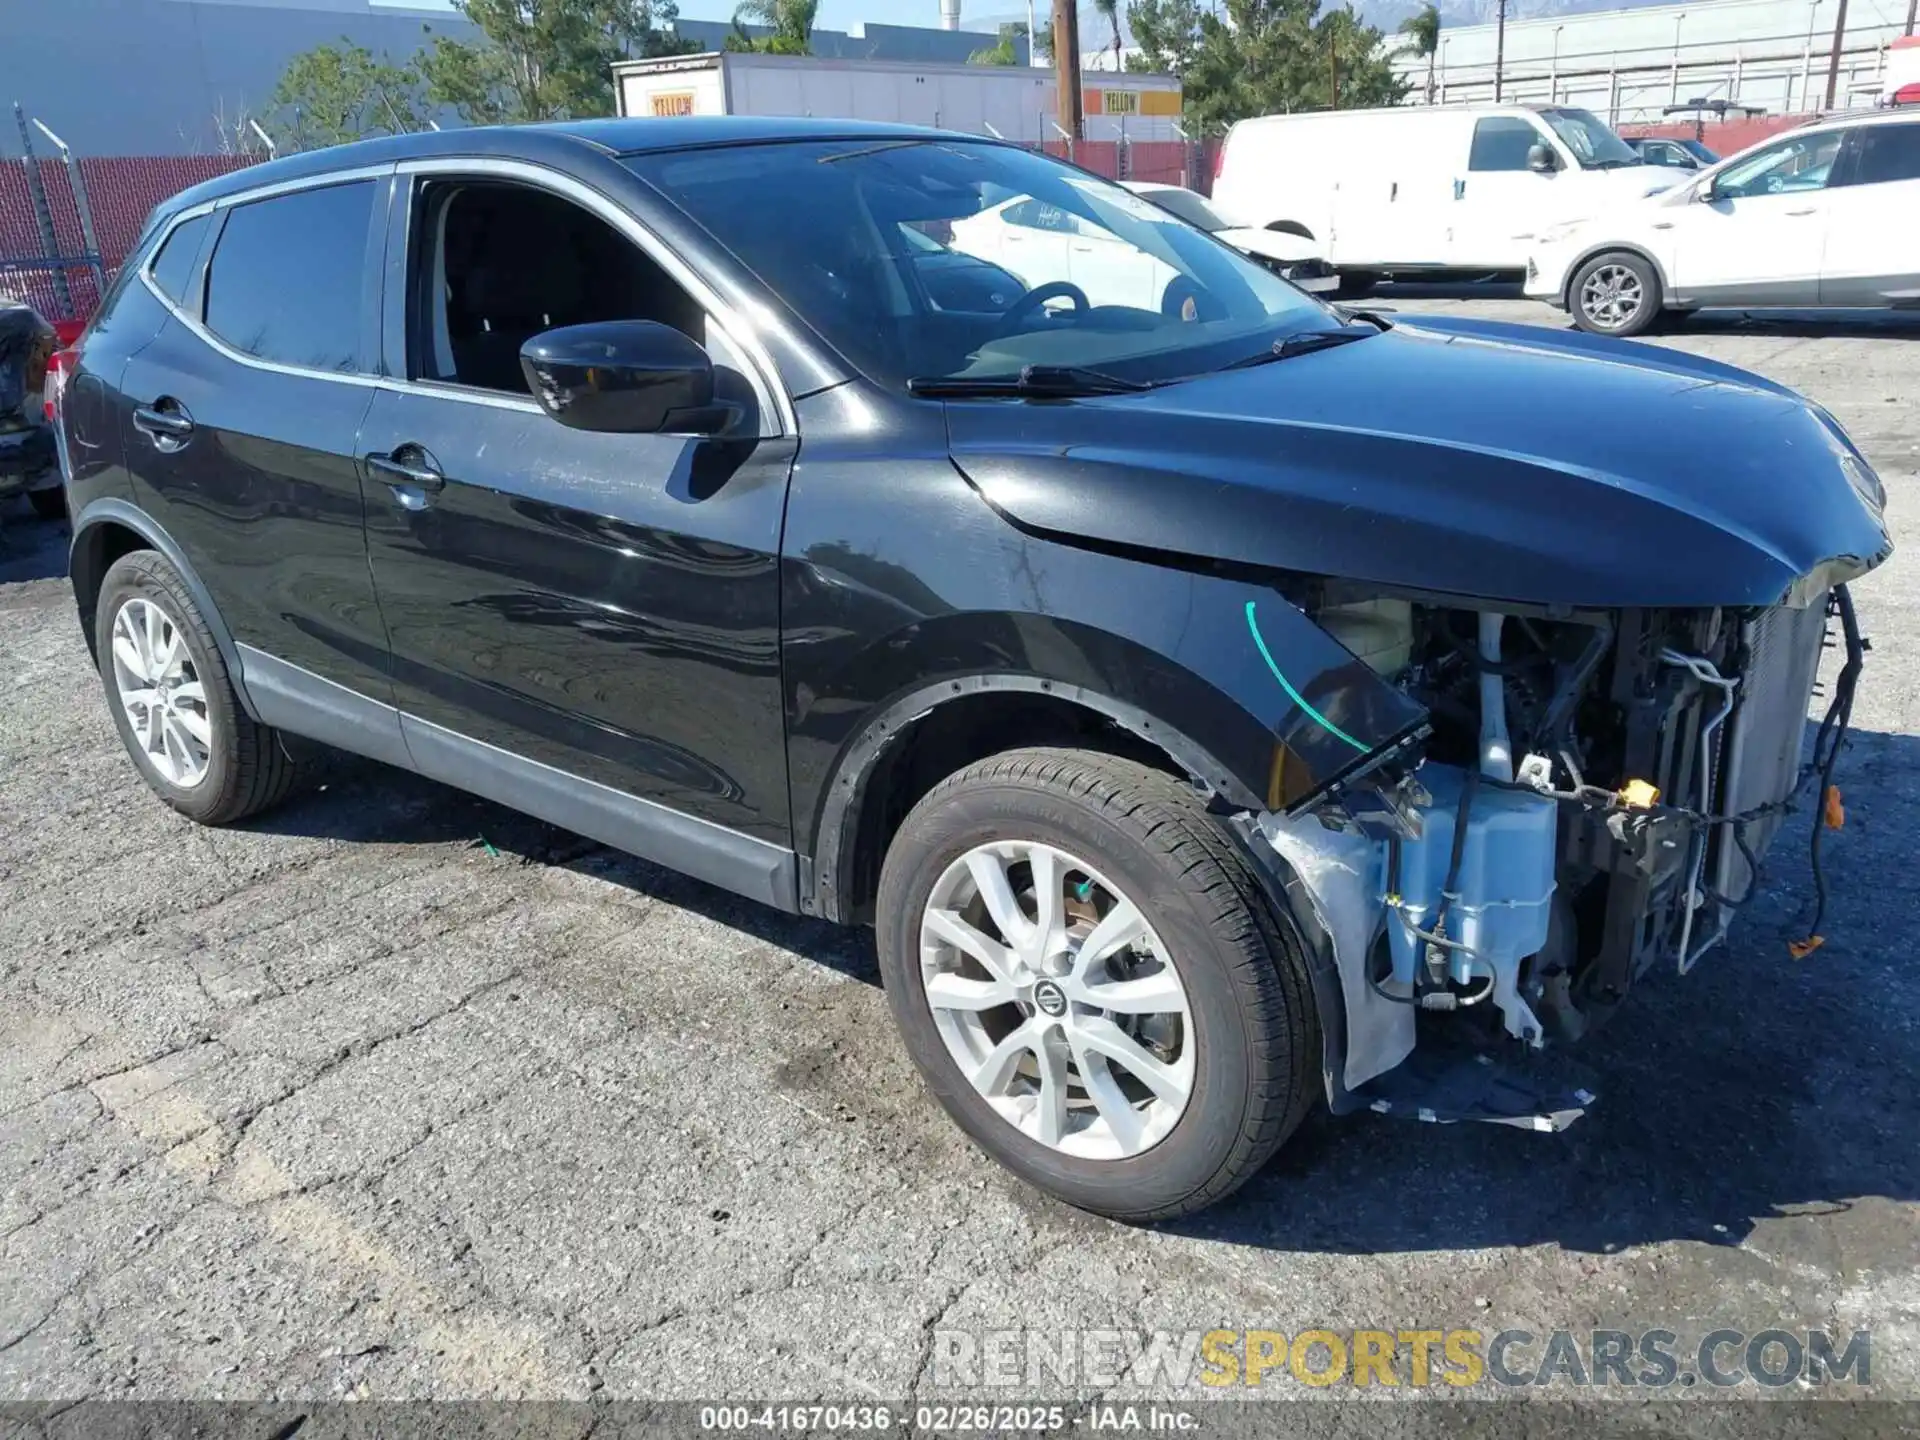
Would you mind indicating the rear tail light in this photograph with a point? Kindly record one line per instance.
(59, 368)
(1219, 161)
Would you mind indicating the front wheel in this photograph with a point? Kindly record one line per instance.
(1086, 972)
(173, 702)
(1615, 294)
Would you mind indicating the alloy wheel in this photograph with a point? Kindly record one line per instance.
(1612, 296)
(158, 687)
(1056, 1000)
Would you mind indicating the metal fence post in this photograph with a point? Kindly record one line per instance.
(78, 184)
(43, 217)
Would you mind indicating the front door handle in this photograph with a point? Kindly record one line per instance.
(167, 428)
(1811, 209)
(413, 481)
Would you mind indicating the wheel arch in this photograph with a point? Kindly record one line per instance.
(913, 742)
(109, 528)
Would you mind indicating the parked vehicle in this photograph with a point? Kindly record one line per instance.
(27, 460)
(1421, 190)
(1201, 733)
(1675, 154)
(1288, 256)
(1821, 216)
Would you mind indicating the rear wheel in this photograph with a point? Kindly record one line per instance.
(173, 702)
(1615, 294)
(1084, 969)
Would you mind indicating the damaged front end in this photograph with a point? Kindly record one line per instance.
(1592, 794)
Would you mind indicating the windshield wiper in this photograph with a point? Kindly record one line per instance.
(1039, 382)
(1304, 343)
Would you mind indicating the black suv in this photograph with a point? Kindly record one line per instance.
(1214, 701)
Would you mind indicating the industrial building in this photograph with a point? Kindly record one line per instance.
(1628, 66)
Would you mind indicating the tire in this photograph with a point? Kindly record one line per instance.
(1249, 1032)
(246, 768)
(1597, 304)
(49, 504)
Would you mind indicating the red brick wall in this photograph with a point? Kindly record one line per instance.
(122, 189)
(1723, 138)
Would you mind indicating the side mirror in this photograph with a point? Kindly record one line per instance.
(633, 377)
(1541, 159)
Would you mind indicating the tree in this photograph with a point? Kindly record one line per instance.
(1166, 33)
(1269, 57)
(1423, 28)
(1109, 10)
(544, 59)
(335, 93)
(789, 26)
(1005, 51)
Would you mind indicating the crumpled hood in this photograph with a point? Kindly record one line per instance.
(1471, 458)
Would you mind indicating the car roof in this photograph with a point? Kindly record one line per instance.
(556, 142)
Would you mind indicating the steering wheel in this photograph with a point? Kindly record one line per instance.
(1040, 295)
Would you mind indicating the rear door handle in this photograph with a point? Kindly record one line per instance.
(413, 482)
(1811, 209)
(168, 429)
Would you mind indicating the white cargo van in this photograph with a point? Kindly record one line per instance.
(1421, 188)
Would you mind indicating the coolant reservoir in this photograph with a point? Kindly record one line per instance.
(1505, 888)
(1378, 632)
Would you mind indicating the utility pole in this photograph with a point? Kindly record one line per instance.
(1333, 69)
(1499, 51)
(1066, 65)
(1913, 13)
(1833, 60)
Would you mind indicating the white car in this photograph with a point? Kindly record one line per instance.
(1292, 257)
(1043, 244)
(1825, 215)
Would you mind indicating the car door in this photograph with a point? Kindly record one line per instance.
(588, 619)
(1872, 254)
(242, 414)
(1756, 234)
(1501, 202)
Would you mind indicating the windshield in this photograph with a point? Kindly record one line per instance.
(1593, 144)
(1101, 278)
(1190, 207)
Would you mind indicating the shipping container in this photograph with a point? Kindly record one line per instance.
(1013, 102)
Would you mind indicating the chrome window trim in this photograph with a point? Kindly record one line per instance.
(763, 374)
(227, 202)
(762, 371)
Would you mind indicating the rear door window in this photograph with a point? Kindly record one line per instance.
(286, 280)
(172, 268)
(1885, 153)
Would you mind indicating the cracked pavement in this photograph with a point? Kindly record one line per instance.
(396, 1094)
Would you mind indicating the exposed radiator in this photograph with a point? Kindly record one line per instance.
(1767, 734)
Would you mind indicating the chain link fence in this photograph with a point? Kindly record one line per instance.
(67, 223)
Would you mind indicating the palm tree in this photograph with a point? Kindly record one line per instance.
(1423, 28)
(790, 23)
(1006, 51)
(1109, 10)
